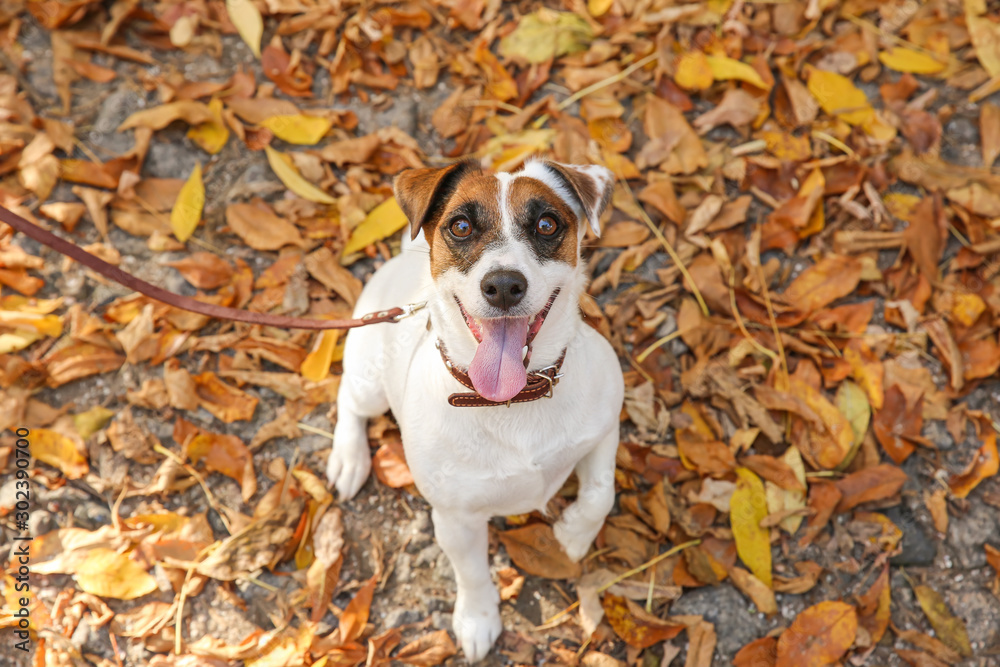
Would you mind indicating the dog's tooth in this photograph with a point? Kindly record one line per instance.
(524, 352)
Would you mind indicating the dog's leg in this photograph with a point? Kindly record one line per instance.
(476, 621)
(351, 461)
(582, 520)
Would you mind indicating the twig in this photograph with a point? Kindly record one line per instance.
(611, 80)
(669, 248)
(634, 571)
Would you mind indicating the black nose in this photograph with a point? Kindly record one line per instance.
(504, 289)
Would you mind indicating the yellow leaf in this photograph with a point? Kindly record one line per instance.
(949, 628)
(47, 325)
(383, 220)
(186, 213)
(547, 34)
(58, 451)
(967, 308)
(298, 128)
(93, 420)
(212, 135)
(693, 71)
(293, 180)
(316, 365)
(839, 97)
(725, 69)
(985, 35)
(247, 19)
(909, 60)
(599, 7)
(20, 339)
(107, 573)
(747, 508)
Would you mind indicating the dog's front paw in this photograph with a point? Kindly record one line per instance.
(476, 626)
(575, 539)
(347, 469)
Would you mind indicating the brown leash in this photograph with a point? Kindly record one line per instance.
(112, 272)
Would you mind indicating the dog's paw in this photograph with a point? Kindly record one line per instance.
(476, 627)
(347, 469)
(575, 542)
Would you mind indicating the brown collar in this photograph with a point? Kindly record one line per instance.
(541, 384)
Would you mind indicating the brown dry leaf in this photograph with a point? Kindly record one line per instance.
(260, 544)
(737, 108)
(925, 642)
(926, 234)
(949, 628)
(876, 483)
(107, 573)
(897, 423)
(534, 549)
(427, 651)
(874, 607)
(324, 267)
(755, 589)
(225, 454)
(389, 464)
(204, 270)
(833, 277)
(157, 118)
(225, 402)
(260, 228)
(660, 195)
(635, 625)
(818, 636)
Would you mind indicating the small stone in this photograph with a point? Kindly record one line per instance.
(427, 556)
(441, 621)
(398, 617)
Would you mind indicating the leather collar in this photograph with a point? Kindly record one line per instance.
(541, 384)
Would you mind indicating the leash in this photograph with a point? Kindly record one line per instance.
(112, 272)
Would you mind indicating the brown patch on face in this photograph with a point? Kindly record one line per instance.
(476, 198)
(530, 200)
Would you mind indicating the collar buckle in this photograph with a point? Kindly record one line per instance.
(410, 310)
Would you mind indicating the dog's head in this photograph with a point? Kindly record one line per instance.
(502, 247)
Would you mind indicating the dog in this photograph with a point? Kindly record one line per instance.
(496, 258)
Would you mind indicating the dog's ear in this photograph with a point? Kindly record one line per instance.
(590, 185)
(422, 193)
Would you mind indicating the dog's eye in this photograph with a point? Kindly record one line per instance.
(460, 228)
(546, 226)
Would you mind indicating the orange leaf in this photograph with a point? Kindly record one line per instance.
(984, 465)
(634, 624)
(427, 651)
(355, 616)
(761, 652)
(389, 464)
(819, 636)
(59, 451)
(875, 483)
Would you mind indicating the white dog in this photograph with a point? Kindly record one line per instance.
(499, 268)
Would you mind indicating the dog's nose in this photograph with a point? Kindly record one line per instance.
(504, 288)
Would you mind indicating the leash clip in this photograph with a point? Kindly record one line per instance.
(409, 310)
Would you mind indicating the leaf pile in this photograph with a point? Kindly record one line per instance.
(798, 270)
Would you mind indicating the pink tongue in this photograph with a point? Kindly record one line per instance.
(497, 369)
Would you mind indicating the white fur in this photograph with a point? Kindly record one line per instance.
(474, 463)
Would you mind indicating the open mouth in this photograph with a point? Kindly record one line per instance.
(498, 369)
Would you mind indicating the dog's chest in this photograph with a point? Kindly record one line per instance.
(495, 460)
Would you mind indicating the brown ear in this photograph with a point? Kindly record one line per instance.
(592, 185)
(422, 193)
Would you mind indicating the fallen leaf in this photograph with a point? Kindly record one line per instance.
(225, 402)
(636, 626)
(747, 508)
(186, 213)
(761, 652)
(534, 549)
(985, 464)
(989, 132)
(547, 34)
(225, 454)
(755, 589)
(212, 135)
(260, 228)
(157, 118)
(299, 128)
(110, 574)
(58, 451)
(909, 60)
(317, 365)
(693, 71)
(818, 636)
(833, 277)
(839, 97)
(427, 651)
(727, 69)
(283, 169)
(324, 267)
(949, 628)
(382, 221)
(247, 19)
(355, 616)
(868, 484)
(204, 270)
